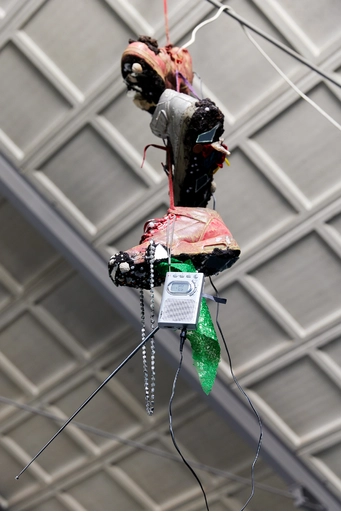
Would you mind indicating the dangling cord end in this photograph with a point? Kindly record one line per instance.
(145, 151)
(183, 335)
(182, 341)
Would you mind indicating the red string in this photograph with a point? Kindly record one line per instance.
(145, 151)
(165, 9)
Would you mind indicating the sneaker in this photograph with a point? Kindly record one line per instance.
(196, 234)
(194, 128)
(149, 70)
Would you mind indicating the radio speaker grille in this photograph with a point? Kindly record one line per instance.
(179, 310)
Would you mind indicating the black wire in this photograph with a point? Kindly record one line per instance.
(250, 403)
(182, 341)
(275, 42)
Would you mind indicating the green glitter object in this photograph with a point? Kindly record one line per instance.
(204, 341)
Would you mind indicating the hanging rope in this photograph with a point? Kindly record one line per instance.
(165, 9)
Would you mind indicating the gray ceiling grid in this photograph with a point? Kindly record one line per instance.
(72, 192)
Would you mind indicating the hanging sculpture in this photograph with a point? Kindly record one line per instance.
(190, 237)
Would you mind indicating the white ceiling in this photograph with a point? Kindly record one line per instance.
(73, 192)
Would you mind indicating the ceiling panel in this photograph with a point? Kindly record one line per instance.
(89, 179)
(313, 150)
(87, 491)
(336, 223)
(244, 193)
(4, 295)
(302, 395)
(40, 355)
(291, 281)
(79, 309)
(333, 350)
(8, 483)
(330, 457)
(106, 413)
(320, 25)
(25, 253)
(29, 434)
(150, 475)
(9, 389)
(51, 504)
(92, 33)
(152, 10)
(24, 91)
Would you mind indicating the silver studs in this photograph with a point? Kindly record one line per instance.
(124, 267)
(137, 68)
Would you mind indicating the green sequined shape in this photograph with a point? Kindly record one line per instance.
(204, 341)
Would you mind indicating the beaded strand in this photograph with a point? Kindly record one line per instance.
(149, 388)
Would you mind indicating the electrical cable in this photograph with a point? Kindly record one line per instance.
(182, 342)
(266, 56)
(229, 11)
(143, 447)
(202, 24)
(249, 401)
(292, 85)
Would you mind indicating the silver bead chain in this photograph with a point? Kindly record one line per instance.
(149, 389)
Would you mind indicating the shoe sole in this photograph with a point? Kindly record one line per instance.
(149, 84)
(210, 263)
(196, 187)
(143, 55)
(193, 173)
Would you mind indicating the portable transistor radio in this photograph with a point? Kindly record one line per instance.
(181, 299)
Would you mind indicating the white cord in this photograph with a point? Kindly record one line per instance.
(287, 79)
(260, 49)
(191, 41)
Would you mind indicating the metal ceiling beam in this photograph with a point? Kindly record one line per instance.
(34, 207)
